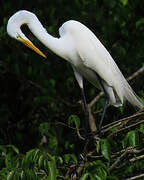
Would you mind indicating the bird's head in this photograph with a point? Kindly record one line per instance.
(14, 30)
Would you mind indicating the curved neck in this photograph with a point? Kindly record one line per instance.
(54, 44)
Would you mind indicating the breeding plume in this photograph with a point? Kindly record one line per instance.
(82, 49)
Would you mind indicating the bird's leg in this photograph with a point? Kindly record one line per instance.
(86, 120)
(80, 82)
(86, 128)
(105, 105)
(103, 114)
(86, 124)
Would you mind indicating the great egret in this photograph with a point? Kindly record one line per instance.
(82, 49)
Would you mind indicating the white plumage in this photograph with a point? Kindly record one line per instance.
(88, 57)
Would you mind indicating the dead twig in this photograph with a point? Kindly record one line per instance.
(114, 165)
(124, 153)
(95, 99)
(114, 155)
(135, 177)
(130, 126)
(127, 151)
(91, 120)
(137, 158)
(81, 166)
(135, 74)
(115, 123)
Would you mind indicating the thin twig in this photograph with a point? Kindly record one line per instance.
(133, 150)
(91, 120)
(77, 129)
(95, 99)
(137, 158)
(64, 124)
(118, 160)
(81, 166)
(127, 151)
(135, 177)
(135, 74)
(119, 130)
(115, 123)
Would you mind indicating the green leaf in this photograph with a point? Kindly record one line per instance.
(8, 160)
(141, 129)
(10, 175)
(29, 71)
(44, 128)
(3, 149)
(97, 170)
(139, 22)
(74, 119)
(52, 83)
(45, 164)
(133, 137)
(41, 160)
(36, 155)
(52, 170)
(98, 145)
(105, 148)
(15, 149)
(70, 158)
(28, 158)
(28, 174)
(101, 174)
(124, 2)
(59, 160)
(85, 176)
(125, 141)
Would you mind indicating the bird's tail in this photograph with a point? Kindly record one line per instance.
(125, 92)
(131, 97)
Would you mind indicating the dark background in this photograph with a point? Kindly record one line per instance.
(36, 98)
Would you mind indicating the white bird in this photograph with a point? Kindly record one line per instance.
(82, 49)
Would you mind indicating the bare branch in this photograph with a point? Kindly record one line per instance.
(135, 177)
(137, 158)
(114, 155)
(116, 123)
(128, 150)
(81, 166)
(91, 120)
(135, 74)
(119, 130)
(118, 160)
(96, 99)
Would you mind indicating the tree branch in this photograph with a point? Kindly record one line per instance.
(135, 177)
(81, 166)
(129, 150)
(137, 158)
(118, 122)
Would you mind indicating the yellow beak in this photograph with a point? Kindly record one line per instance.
(31, 46)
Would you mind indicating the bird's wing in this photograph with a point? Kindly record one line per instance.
(95, 56)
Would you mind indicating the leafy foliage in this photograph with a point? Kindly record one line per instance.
(40, 113)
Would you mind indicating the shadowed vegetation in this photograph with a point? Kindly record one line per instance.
(41, 114)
